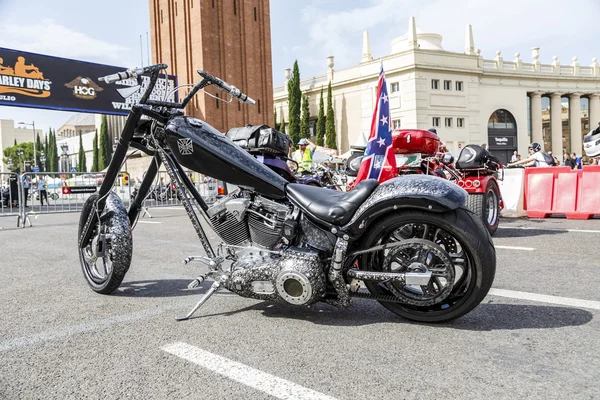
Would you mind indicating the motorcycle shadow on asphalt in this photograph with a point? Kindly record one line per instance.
(507, 232)
(159, 288)
(486, 317)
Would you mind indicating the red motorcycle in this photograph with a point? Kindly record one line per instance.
(476, 170)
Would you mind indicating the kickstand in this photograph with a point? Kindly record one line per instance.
(215, 286)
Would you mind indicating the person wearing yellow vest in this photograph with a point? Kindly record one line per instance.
(303, 156)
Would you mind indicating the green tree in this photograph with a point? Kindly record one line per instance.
(38, 149)
(294, 100)
(81, 161)
(11, 155)
(103, 151)
(304, 122)
(330, 136)
(275, 118)
(321, 122)
(95, 153)
(54, 151)
(47, 153)
(15, 141)
(282, 126)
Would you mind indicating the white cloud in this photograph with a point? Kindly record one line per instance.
(49, 37)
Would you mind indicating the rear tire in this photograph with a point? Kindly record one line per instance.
(486, 206)
(105, 274)
(464, 239)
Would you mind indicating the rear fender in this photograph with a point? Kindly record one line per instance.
(413, 191)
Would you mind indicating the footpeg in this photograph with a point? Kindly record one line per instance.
(202, 259)
(215, 286)
(196, 282)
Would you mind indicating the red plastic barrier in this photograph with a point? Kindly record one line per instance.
(588, 194)
(560, 190)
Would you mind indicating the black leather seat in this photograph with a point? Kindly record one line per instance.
(331, 206)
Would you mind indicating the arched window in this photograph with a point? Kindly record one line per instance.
(502, 119)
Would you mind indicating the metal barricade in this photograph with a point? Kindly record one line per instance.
(163, 192)
(57, 192)
(11, 204)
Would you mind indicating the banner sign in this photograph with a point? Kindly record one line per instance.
(39, 81)
(78, 189)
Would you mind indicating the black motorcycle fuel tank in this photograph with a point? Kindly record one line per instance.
(201, 148)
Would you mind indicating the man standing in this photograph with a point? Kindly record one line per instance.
(303, 156)
(26, 182)
(42, 189)
(577, 163)
(514, 157)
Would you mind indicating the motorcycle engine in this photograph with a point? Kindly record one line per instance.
(240, 219)
(296, 276)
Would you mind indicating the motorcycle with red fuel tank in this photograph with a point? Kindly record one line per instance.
(407, 243)
(476, 170)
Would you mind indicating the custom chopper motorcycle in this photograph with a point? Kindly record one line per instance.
(476, 170)
(406, 243)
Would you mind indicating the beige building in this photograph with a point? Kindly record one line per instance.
(80, 122)
(9, 132)
(467, 98)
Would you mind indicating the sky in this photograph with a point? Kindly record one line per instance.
(309, 31)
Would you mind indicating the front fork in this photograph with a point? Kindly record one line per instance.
(111, 175)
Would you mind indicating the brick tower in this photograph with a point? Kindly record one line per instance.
(230, 39)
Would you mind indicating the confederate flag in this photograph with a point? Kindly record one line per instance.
(379, 161)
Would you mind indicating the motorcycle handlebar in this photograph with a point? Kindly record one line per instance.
(132, 73)
(227, 88)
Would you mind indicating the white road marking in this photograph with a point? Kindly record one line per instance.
(149, 222)
(244, 374)
(544, 298)
(63, 332)
(531, 228)
(514, 248)
(168, 208)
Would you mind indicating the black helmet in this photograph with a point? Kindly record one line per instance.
(435, 131)
(535, 146)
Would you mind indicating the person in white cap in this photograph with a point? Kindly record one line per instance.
(303, 156)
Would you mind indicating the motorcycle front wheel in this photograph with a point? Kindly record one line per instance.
(454, 246)
(106, 259)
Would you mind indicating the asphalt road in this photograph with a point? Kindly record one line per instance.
(536, 336)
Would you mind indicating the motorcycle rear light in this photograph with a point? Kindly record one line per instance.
(461, 183)
(468, 184)
(476, 184)
(221, 191)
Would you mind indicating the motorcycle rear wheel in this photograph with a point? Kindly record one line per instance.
(105, 273)
(466, 241)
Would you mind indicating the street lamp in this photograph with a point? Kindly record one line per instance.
(43, 160)
(65, 152)
(32, 124)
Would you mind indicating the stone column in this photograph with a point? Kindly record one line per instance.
(575, 123)
(556, 125)
(536, 118)
(594, 110)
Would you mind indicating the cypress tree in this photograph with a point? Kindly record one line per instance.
(15, 141)
(330, 137)
(54, 152)
(275, 118)
(95, 153)
(38, 150)
(47, 153)
(294, 100)
(282, 127)
(304, 122)
(321, 122)
(81, 161)
(103, 154)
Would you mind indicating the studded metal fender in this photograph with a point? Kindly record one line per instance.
(413, 191)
